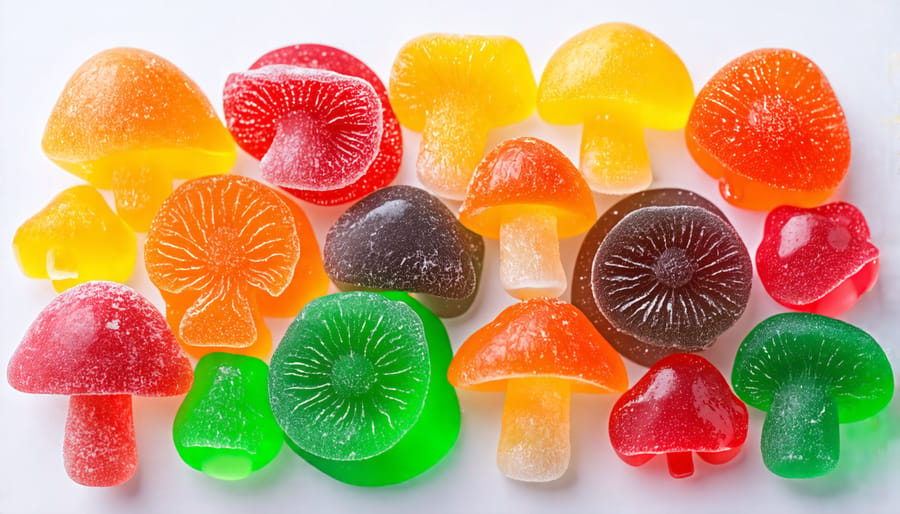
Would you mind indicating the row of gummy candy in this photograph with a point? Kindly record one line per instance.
(362, 382)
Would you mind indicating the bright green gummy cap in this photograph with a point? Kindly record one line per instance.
(225, 427)
(358, 383)
(810, 373)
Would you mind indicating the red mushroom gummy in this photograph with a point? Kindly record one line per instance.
(817, 260)
(100, 343)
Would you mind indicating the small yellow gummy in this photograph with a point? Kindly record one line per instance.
(617, 80)
(76, 238)
(454, 89)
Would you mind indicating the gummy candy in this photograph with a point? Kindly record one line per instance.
(100, 343)
(528, 194)
(359, 386)
(403, 239)
(130, 121)
(769, 127)
(817, 260)
(682, 405)
(225, 427)
(454, 89)
(615, 79)
(539, 351)
(311, 129)
(810, 373)
(216, 243)
(662, 272)
(77, 238)
(387, 163)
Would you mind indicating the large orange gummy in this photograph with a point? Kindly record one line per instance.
(217, 245)
(770, 128)
(131, 121)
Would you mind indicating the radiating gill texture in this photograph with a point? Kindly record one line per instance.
(312, 129)
(771, 116)
(222, 238)
(350, 377)
(386, 165)
(672, 276)
(403, 238)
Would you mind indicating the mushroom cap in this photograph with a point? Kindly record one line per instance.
(539, 337)
(799, 347)
(100, 338)
(683, 403)
(402, 238)
(527, 176)
(771, 116)
(127, 106)
(491, 73)
(616, 68)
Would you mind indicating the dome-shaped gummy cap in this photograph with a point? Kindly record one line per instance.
(100, 338)
(127, 100)
(402, 238)
(490, 72)
(810, 348)
(527, 176)
(539, 337)
(616, 68)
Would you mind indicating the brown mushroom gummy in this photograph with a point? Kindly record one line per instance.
(662, 272)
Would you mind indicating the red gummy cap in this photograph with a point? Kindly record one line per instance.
(100, 338)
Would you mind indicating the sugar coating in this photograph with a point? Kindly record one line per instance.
(672, 276)
(402, 238)
(311, 129)
(808, 254)
(225, 425)
(100, 338)
(221, 239)
(351, 375)
(386, 165)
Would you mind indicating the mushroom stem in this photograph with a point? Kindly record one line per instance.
(139, 191)
(801, 437)
(614, 157)
(530, 265)
(99, 448)
(534, 436)
(453, 143)
(222, 316)
(681, 464)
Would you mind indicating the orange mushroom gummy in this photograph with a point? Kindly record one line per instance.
(527, 194)
(131, 121)
(539, 351)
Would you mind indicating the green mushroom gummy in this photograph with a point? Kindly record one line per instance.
(359, 385)
(810, 373)
(225, 427)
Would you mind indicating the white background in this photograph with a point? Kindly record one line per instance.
(858, 47)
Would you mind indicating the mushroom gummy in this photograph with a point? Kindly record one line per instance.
(402, 238)
(454, 89)
(527, 194)
(312, 129)
(130, 121)
(616, 80)
(77, 238)
(538, 351)
(769, 127)
(817, 260)
(387, 163)
(810, 373)
(225, 251)
(662, 272)
(100, 343)
(225, 427)
(359, 386)
(682, 405)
